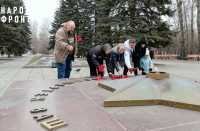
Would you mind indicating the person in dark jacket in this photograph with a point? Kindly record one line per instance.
(96, 57)
(140, 52)
(141, 48)
(116, 60)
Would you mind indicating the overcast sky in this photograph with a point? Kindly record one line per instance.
(39, 10)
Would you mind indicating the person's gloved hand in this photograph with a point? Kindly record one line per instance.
(98, 78)
(150, 70)
(131, 70)
(101, 68)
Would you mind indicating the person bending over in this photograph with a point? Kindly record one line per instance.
(96, 57)
(116, 60)
(131, 57)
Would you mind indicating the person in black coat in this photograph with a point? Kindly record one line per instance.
(95, 58)
(140, 51)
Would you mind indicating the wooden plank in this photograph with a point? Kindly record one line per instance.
(158, 75)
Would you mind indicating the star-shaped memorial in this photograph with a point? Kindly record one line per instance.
(140, 91)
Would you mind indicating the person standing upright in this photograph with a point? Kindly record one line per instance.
(146, 63)
(64, 49)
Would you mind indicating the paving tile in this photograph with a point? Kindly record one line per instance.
(67, 103)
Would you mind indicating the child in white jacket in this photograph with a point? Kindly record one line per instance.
(146, 63)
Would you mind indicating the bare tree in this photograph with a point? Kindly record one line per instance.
(186, 23)
(192, 24)
(34, 41)
(44, 36)
(181, 24)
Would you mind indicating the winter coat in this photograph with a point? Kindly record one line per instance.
(128, 54)
(96, 56)
(60, 51)
(146, 63)
(115, 60)
(131, 55)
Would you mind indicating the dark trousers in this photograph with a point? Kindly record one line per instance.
(126, 70)
(113, 70)
(93, 70)
(64, 70)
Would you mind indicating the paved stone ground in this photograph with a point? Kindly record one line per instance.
(13, 71)
(188, 69)
(80, 114)
(148, 118)
(145, 118)
(9, 71)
